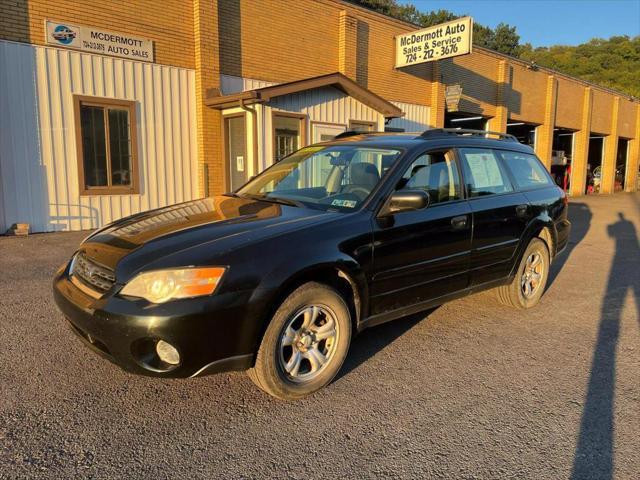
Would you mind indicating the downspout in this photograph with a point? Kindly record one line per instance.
(254, 115)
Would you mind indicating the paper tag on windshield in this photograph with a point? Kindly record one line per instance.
(343, 203)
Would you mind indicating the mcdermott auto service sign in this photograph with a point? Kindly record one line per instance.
(98, 40)
(434, 43)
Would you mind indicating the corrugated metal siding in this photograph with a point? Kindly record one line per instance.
(416, 117)
(231, 84)
(37, 141)
(22, 172)
(326, 104)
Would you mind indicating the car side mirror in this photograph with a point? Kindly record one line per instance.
(404, 201)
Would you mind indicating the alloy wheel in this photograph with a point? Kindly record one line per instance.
(308, 343)
(532, 275)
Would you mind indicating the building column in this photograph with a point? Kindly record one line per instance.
(608, 179)
(544, 133)
(211, 171)
(499, 122)
(347, 44)
(581, 147)
(633, 162)
(438, 105)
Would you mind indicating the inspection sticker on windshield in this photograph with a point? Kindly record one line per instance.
(343, 203)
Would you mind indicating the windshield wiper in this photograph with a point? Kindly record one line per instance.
(265, 198)
(283, 201)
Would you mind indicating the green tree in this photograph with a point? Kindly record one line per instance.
(614, 62)
(503, 38)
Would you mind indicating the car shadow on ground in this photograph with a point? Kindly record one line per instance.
(595, 449)
(375, 339)
(580, 216)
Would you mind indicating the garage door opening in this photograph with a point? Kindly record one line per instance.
(561, 156)
(621, 164)
(465, 120)
(594, 164)
(524, 132)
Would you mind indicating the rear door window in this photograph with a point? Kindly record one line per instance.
(526, 170)
(483, 172)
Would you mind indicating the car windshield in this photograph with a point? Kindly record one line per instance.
(331, 177)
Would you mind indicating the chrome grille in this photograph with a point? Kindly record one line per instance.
(92, 274)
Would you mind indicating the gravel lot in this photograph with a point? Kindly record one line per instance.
(471, 390)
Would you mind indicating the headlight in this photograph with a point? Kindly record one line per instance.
(161, 286)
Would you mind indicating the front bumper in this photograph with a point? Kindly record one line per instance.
(212, 334)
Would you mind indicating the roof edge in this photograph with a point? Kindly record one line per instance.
(334, 79)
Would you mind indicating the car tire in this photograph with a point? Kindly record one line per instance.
(530, 279)
(305, 343)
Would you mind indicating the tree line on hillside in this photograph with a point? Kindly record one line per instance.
(613, 62)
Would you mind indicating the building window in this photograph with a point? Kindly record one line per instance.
(106, 143)
(361, 126)
(288, 134)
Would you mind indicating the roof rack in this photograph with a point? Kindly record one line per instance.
(435, 132)
(349, 133)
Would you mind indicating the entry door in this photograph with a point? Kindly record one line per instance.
(236, 151)
(324, 133)
(422, 255)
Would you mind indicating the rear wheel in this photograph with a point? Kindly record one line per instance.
(305, 344)
(530, 280)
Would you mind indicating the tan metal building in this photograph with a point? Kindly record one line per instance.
(110, 108)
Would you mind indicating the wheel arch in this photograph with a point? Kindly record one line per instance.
(542, 228)
(346, 278)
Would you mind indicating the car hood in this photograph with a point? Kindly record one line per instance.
(221, 222)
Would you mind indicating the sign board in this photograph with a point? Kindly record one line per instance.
(98, 40)
(435, 43)
(452, 96)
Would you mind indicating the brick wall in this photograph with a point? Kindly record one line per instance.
(627, 120)
(280, 41)
(569, 104)
(527, 94)
(602, 110)
(478, 74)
(168, 23)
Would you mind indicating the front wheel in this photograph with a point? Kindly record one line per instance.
(530, 280)
(305, 344)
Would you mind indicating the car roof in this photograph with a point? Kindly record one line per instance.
(437, 138)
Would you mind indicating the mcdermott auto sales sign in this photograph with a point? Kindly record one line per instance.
(435, 43)
(98, 40)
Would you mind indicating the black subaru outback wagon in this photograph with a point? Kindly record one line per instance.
(277, 277)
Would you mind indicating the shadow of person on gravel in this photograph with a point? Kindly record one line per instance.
(373, 340)
(594, 452)
(580, 217)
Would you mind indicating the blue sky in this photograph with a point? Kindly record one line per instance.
(549, 22)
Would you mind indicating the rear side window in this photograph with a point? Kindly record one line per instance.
(483, 172)
(526, 169)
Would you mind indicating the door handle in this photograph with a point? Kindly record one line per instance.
(459, 223)
(522, 210)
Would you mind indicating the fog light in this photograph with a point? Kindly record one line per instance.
(167, 353)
